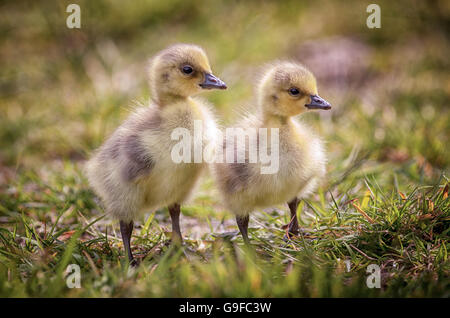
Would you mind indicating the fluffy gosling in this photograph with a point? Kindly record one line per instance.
(133, 170)
(286, 89)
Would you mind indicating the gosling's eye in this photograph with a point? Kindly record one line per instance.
(187, 69)
(293, 91)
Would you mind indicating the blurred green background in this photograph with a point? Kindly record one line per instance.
(63, 91)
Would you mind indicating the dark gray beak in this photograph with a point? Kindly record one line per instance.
(211, 82)
(318, 102)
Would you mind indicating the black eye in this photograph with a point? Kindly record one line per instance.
(294, 91)
(187, 69)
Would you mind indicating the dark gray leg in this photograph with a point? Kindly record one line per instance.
(175, 216)
(126, 229)
(242, 222)
(293, 224)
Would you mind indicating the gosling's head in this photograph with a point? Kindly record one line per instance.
(288, 89)
(181, 70)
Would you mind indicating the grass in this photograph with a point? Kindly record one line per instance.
(406, 234)
(384, 200)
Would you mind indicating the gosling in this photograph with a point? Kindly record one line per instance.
(286, 89)
(133, 170)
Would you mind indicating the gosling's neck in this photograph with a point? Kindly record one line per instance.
(165, 99)
(274, 120)
(268, 117)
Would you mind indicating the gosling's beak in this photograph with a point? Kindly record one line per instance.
(211, 81)
(318, 102)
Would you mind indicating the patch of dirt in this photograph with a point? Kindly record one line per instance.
(337, 62)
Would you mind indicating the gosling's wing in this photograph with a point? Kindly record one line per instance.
(138, 160)
(137, 156)
(125, 150)
(235, 176)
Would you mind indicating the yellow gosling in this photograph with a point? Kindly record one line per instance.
(133, 170)
(286, 90)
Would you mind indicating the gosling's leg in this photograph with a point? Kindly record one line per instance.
(126, 229)
(293, 224)
(242, 222)
(175, 216)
